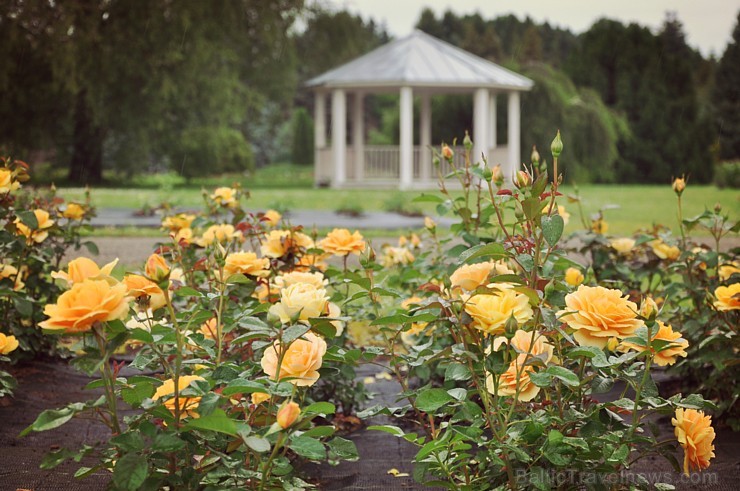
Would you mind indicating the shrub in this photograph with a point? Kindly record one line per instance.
(727, 174)
(212, 150)
(302, 149)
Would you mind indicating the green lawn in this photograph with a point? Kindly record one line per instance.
(637, 206)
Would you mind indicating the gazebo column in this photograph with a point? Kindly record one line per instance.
(407, 138)
(481, 117)
(492, 137)
(319, 133)
(358, 135)
(425, 137)
(514, 121)
(339, 136)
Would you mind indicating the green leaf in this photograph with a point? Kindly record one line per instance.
(294, 332)
(393, 430)
(532, 207)
(130, 472)
(186, 291)
(342, 449)
(243, 386)
(216, 421)
(28, 218)
(129, 441)
(427, 198)
(457, 371)
(136, 394)
(432, 399)
(320, 408)
(587, 351)
(92, 248)
(167, 442)
(53, 418)
(552, 228)
(568, 378)
(258, 444)
(493, 250)
(23, 306)
(308, 447)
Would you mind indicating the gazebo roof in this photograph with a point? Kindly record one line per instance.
(420, 60)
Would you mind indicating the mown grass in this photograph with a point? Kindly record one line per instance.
(286, 187)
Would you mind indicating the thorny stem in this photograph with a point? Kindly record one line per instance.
(107, 376)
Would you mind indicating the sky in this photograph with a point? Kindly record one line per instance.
(708, 24)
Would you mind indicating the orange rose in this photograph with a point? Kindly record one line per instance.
(622, 245)
(665, 251)
(156, 268)
(728, 297)
(85, 304)
(11, 272)
(222, 234)
(515, 380)
(40, 233)
(246, 263)
(259, 397)
(341, 243)
(600, 314)
(271, 218)
(490, 312)
(396, 255)
(178, 222)
(301, 361)
(81, 269)
(279, 243)
(667, 356)
(468, 277)
(145, 291)
(695, 434)
(184, 236)
(7, 344)
(288, 414)
(522, 342)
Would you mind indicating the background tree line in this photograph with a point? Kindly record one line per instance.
(203, 87)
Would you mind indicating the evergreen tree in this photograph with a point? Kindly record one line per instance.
(302, 147)
(726, 98)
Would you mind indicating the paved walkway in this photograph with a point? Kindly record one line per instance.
(124, 217)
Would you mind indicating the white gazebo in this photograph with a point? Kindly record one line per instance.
(422, 65)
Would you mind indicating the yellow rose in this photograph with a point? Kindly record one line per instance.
(563, 214)
(316, 279)
(188, 405)
(7, 181)
(490, 312)
(259, 397)
(178, 222)
(246, 263)
(726, 270)
(74, 211)
(271, 218)
(265, 294)
(728, 297)
(676, 348)
(534, 344)
(39, 234)
(279, 243)
(83, 268)
(11, 272)
(429, 224)
(396, 255)
(341, 242)
(221, 233)
(288, 414)
(695, 434)
(573, 276)
(622, 245)
(447, 152)
(648, 307)
(209, 329)
(597, 314)
(515, 380)
(156, 268)
(301, 300)
(226, 197)
(7, 344)
(679, 184)
(599, 226)
(85, 304)
(301, 361)
(145, 291)
(665, 251)
(184, 236)
(468, 277)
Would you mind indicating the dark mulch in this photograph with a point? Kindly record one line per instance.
(44, 385)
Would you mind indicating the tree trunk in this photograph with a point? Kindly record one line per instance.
(86, 166)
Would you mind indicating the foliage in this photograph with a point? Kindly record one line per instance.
(38, 228)
(302, 148)
(244, 348)
(727, 174)
(726, 98)
(207, 151)
(510, 397)
(123, 81)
